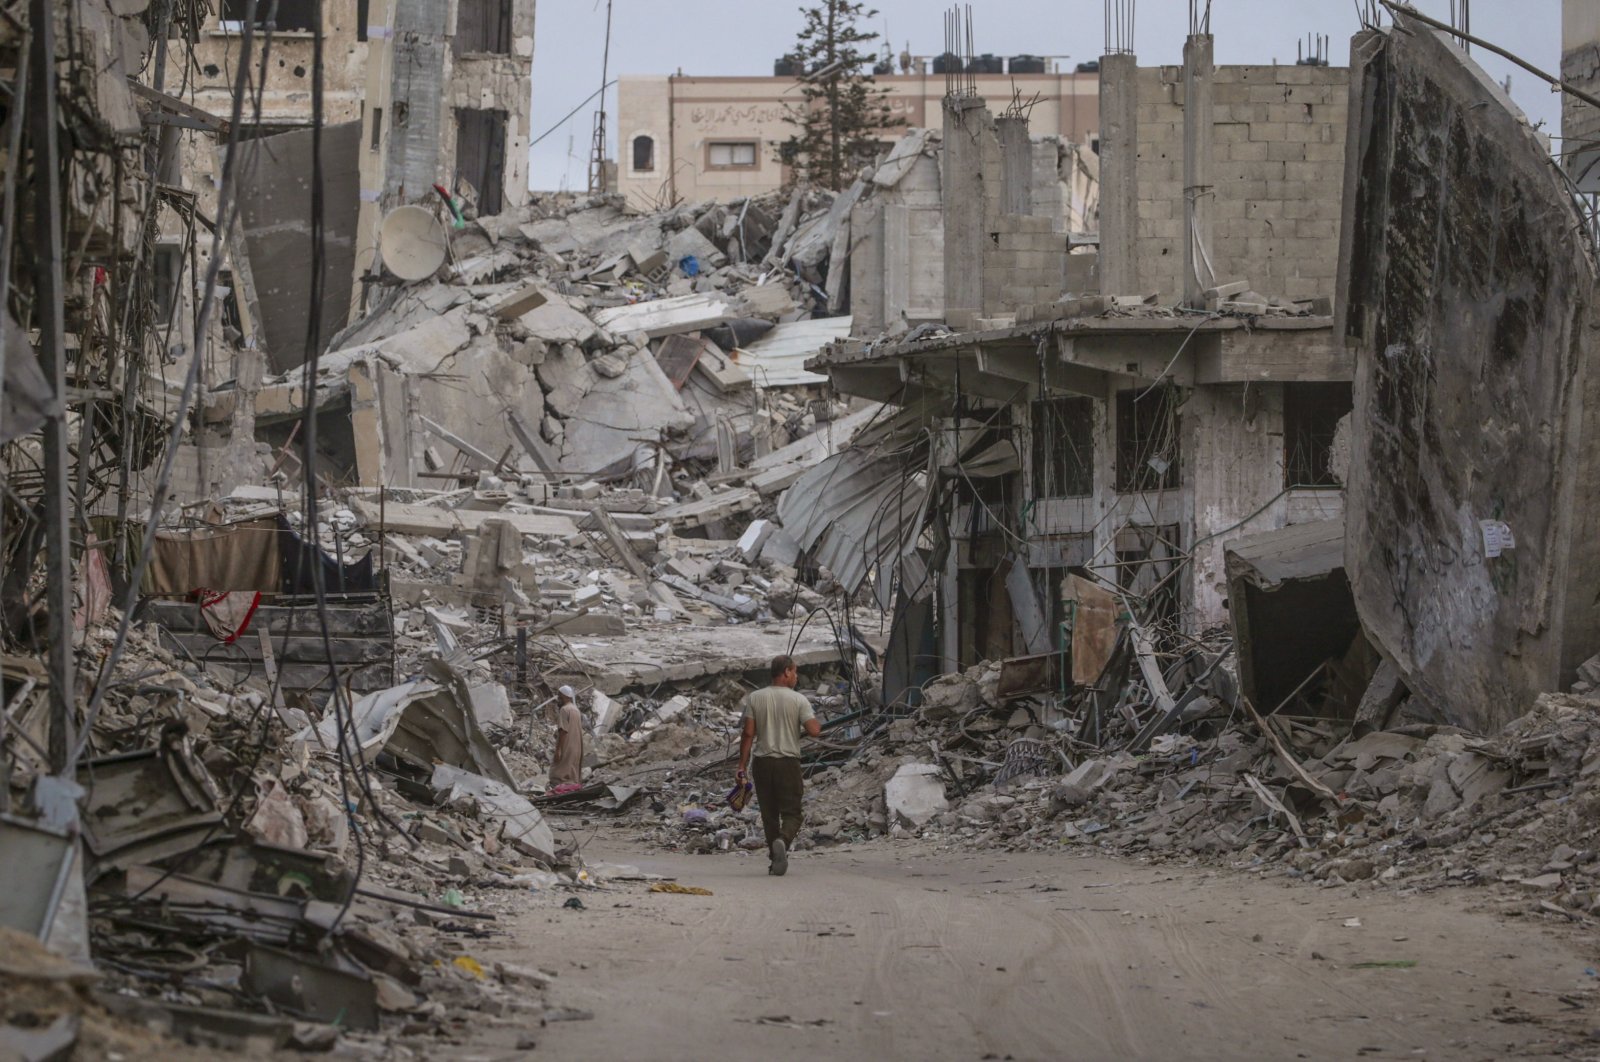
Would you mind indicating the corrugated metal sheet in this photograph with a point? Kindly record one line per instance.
(778, 359)
(863, 507)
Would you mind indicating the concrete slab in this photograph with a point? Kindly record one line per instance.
(408, 519)
(618, 414)
(665, 317)
(657, 653)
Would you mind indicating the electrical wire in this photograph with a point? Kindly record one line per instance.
(227, 214)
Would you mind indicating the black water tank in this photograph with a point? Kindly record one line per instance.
(948, 63)
(988, 64)
(1091, 67)
(883, 67)
(1027, 64)
(785, 67)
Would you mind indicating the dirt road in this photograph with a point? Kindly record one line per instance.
(894, 950)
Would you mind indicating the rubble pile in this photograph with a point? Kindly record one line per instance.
(584, 344)
(1417, 806)
(252, 880)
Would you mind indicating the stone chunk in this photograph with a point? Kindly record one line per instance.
(915, 794)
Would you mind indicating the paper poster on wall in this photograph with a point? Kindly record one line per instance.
(1497, 537)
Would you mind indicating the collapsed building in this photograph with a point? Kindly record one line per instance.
(1220, 492)
(1186, 388)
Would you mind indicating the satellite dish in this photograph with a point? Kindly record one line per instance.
(413, 242)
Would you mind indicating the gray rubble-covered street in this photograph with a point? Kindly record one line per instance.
(1141, 511)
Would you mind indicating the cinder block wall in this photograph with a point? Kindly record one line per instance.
(1279, 158)
(1024, 263)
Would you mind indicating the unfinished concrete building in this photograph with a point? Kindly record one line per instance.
(1127, 411)
(1470, 300)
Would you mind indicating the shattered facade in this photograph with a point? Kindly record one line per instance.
(1103, 431)
(414, 95)
(1470, 298)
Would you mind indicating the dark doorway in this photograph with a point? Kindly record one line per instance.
(481, 156)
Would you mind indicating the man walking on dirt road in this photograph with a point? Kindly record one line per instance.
(774, 719)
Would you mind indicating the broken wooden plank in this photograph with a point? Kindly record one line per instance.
(1287, 757)
(1275, 804)
(1146, 655)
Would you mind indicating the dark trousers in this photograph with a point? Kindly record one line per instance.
(779, 788)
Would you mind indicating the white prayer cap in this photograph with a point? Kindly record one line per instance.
(568, 693)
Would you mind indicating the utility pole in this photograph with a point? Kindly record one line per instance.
(52, 359)
(598, 184)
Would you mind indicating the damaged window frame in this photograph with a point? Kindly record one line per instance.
(1062, 446)
(1144, 414)
(1311, 415)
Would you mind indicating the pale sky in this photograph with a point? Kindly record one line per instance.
(726, 37)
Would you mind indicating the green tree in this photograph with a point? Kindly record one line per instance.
(842, 112)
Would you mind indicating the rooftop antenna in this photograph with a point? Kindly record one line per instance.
(597, 154)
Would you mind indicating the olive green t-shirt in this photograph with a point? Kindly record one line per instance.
(780, 713)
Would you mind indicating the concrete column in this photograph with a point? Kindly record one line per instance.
(965, 122)
(1016, 165)
(1198, 192)
(1119, 174)
(1233, 472)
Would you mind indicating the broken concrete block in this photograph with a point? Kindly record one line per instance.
(780, 548)
(565, 376)
(610, 366)
(672, 708)
(754, 537)
(587, 623)
(521, 823)
(692, 243)
(558, 322)
(604, 711)
(490, 704)
(664, 317)
(694, 569)
(915, 794)
(520, 302)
